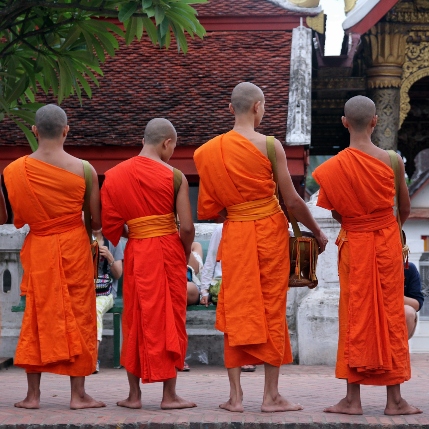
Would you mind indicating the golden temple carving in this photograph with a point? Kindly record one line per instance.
(410, 12)
(416, 67)
(305, 3)
(317, 23)
(349, 5)
(385, 45)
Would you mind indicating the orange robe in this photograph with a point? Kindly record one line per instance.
(155, 289)
(59, 330)
(373, 340)
(251, 309)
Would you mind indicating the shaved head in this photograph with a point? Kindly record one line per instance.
(50, 121)
(244, 96)
(158, 130)
(359, 112)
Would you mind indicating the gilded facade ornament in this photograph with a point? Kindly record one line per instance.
(305, 3)
(410, 13)
(387, 103)
(385, 46)
(416, 67)
(349, 5)
(317, 23)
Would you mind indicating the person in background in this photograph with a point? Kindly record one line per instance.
(109, 271)
(195, 265)
(413, 297)
(212, 269)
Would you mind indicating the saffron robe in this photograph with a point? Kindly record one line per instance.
(154, 287)
(59, 330)
(373, 340)
(251, 308)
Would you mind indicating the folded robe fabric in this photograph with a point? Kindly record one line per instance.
(251, 308)
(58, 332)
(373, 340)
(140, 192)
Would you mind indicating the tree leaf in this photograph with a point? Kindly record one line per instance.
(127, 11)
(159, 15)
(28, 133)
(18, 89)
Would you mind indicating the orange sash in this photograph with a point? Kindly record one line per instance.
(254, 210)
(369, 222)
(57, 225)
(152, 226)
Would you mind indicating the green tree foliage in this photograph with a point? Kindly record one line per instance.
(59, 45)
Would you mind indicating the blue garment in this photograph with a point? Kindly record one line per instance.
(413, 286)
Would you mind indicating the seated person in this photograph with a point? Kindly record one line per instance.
(413, 297)
(212, 269)
(212, 274)
(110, 267)
(195, 266)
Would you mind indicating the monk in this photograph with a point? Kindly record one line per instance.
(3, 210)
(59, 331)
(138, 198)
(236, 182)
(357, 185)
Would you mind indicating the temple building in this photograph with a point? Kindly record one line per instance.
(385, 57)
(247, 40)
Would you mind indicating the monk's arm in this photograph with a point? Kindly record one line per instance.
(294, 203)
(3, 211)
(336, 216)
(183, 208)
(404, 197)
(94, 203)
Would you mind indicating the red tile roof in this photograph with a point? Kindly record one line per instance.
(192, 90)
(241, 7)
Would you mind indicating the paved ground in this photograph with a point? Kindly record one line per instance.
(313, 386)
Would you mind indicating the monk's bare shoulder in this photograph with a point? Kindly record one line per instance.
(61, 159)
(259, 140)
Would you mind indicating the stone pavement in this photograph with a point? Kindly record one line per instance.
(313, 386)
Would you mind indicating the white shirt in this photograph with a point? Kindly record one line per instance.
(212, 270)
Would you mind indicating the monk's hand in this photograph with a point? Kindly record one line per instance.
(322, 241)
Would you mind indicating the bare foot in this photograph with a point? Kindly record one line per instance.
(30, 404)
(130, 403)
(279, 404)
(345, 407)
(176, 403)
(402, 408)
(85, 401)
(234, 407)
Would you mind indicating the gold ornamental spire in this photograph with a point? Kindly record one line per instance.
(349, 5)
(305, 3)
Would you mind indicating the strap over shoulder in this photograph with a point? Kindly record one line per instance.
(86, 200)
(177, 182)
(396, 171)
(271, 154)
